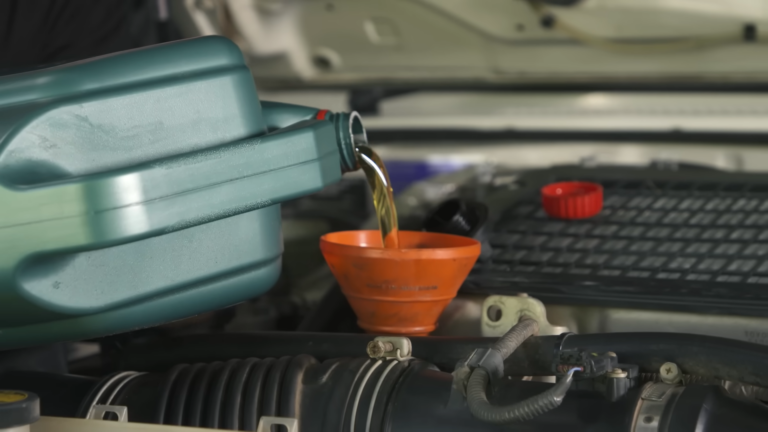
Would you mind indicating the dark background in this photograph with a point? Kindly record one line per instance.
(40, 33)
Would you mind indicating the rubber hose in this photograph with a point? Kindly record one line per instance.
(293, 378)
(273, 388)
(232, 415)
(198, 394)
(215, 397)
(525, 410)
(254, 394)
(176, 411)
(515, 337)
(726, 359)
(169, 384)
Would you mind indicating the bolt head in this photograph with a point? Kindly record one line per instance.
(375, 349)
(617, 373)
(669, 369)
(669, 373)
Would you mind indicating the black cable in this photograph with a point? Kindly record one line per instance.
(514, 337)
(527, 409)
(524, 410)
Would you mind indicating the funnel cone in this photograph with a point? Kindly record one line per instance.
(399, 291)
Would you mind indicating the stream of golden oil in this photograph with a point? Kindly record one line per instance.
(381, 188)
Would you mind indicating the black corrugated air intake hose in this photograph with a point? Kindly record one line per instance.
(362, 395)
(236, 394)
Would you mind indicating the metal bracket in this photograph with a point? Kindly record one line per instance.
(390, 347)
(500, 313)
(97, 412)
(488, 359)
(266, 423)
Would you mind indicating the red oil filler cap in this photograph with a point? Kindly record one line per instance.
(572, 200)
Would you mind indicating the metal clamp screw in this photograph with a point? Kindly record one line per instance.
(670, 373)
(386, 347)
(377, 348)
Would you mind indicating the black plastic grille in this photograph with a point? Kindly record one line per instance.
(670, 231)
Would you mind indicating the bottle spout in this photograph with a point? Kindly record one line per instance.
(350, 133)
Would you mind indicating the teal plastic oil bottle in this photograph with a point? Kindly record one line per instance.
(143, 187)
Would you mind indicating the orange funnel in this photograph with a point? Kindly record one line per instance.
(399, 291)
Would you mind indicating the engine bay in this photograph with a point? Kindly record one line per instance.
(179, 253)
(638, 353)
